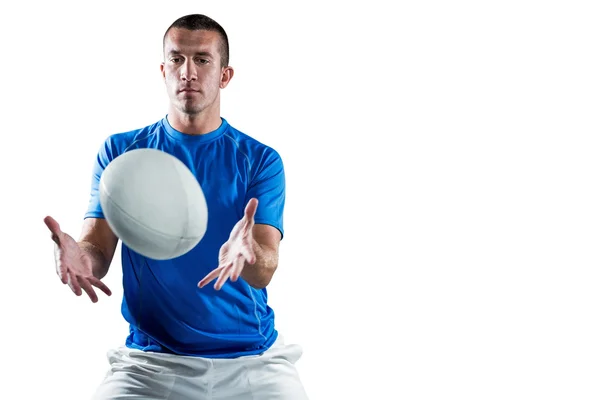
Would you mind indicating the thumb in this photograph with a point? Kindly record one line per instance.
(54, 228)
(251, 207)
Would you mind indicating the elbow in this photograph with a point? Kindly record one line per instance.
(262, 280)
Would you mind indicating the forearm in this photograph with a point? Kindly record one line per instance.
(99, 262)
(259, 274)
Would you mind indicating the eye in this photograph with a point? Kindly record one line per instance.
(175, 59)
(202, 61)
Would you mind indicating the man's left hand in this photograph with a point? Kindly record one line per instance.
(237, 251)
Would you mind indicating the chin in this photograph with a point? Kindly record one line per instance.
(191, 110)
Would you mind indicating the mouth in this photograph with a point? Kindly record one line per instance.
(188, 90)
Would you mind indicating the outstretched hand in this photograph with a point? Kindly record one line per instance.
(237, 251)
(73, 265)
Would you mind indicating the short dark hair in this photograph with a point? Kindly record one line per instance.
(195, 22)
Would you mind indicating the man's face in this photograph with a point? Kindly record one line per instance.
(192, 69)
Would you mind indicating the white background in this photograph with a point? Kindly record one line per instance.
(442, 222)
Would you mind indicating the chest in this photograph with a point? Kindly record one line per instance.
(224, 176)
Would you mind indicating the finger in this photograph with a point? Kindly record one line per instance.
(54, 228)
(87, 287)
(248, 226)
(225, 274)
(56, 233)
(100, 285)
(238, 266)
(212, 275)
(61, 268)
(73, 284)
(247, 252)
(251, 209)
(62, 272)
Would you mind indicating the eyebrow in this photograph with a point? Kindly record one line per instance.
(198, 53)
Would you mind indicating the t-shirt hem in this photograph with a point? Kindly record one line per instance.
(228, 355)
(273, 224)
(93, 214)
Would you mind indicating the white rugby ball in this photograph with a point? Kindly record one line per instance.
(153, 203)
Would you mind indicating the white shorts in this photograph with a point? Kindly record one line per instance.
(135, 374)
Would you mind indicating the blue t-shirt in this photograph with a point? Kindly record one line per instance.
(162, 303)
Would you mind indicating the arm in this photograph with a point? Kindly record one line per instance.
(99, 242)
(265, 244)
(251, 252)
(252, 248)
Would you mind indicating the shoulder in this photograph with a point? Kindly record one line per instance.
(255, 150)
(118, 143)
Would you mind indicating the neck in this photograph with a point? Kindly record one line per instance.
(194, 124)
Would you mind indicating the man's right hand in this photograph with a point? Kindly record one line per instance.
(73, 265)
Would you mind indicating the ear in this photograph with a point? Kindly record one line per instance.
(162, 69)
(226, 76)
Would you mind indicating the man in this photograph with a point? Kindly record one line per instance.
(189, 338)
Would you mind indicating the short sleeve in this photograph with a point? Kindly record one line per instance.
(104, 156)
(268, 186)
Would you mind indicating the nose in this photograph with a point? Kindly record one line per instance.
(188, 71)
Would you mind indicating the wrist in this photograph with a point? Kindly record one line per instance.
(97, 258)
